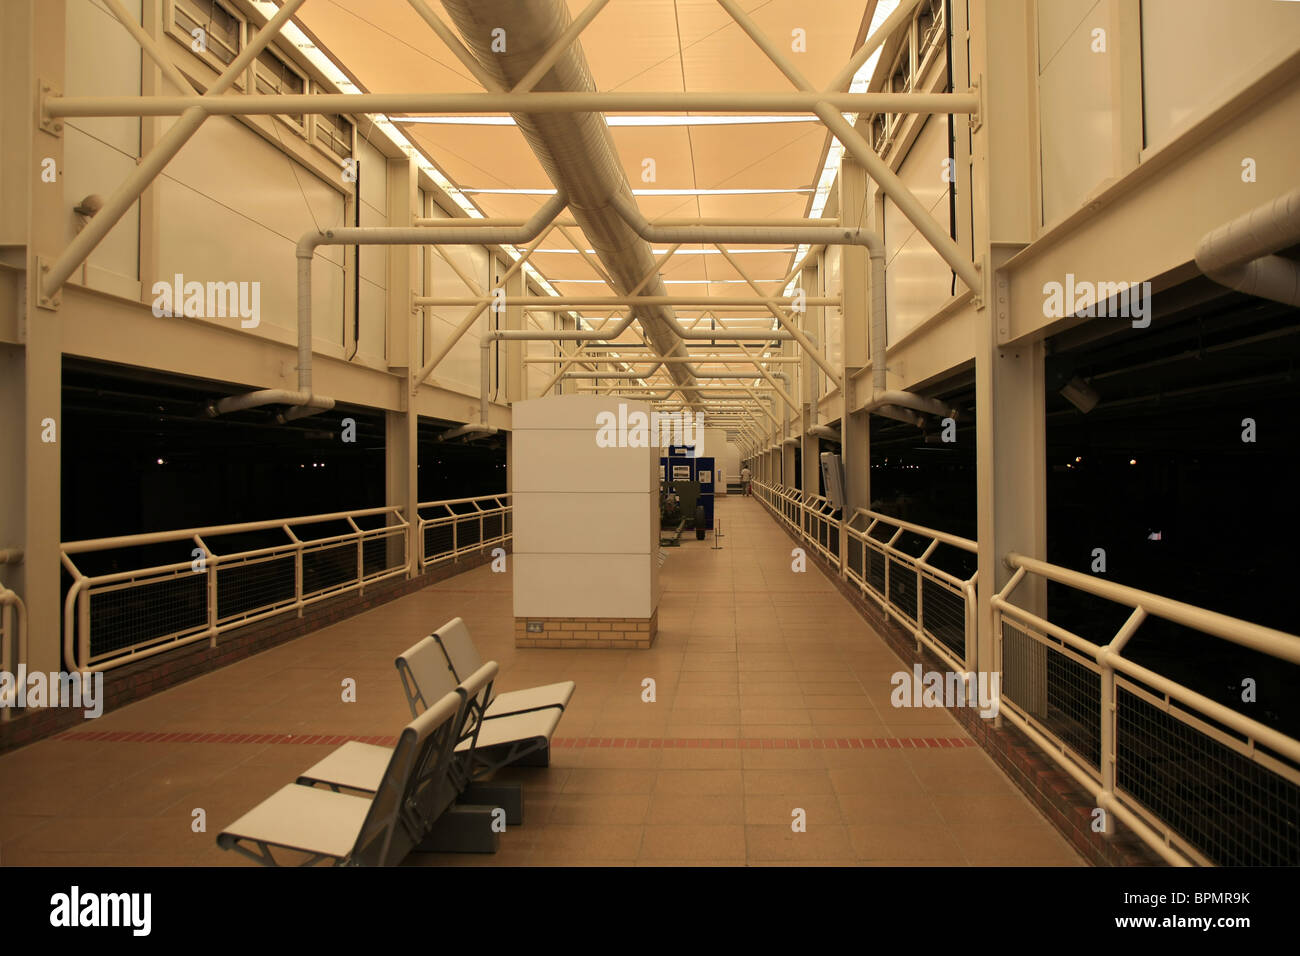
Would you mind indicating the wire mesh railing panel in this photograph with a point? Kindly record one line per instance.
(1055, 690)
(1232, 809)
(902, 588)
(874, 573)
(943, 614)
(493, 527)
(248, 587)
(854, 549)
(438, 541)
(328, 568)
(469, 533)
(123, 617)
(385, 552)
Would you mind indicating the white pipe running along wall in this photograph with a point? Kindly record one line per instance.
(452, 234)
(1240, 254)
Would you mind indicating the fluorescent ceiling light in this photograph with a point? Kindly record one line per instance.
(618, 120)
(642, 192)
(681, 252)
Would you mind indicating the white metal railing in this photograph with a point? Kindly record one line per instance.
(118, 616)
(1198, 781)
(460, 526)
(936, 605)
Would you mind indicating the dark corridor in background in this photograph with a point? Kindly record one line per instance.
(119, 423)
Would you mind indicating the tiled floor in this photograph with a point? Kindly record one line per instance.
(772, 696)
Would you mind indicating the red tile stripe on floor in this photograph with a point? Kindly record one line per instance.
(666, 743)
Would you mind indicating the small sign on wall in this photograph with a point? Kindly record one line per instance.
(706, 477)
(681, 472)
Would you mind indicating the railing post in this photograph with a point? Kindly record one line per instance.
(422, 531)
(6, 624)
(1107, 756)
(844, 545)
(83, 625)
(210, 586)
(361, 557)
(297, 568)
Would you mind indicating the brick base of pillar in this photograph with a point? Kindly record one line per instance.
(637, 633)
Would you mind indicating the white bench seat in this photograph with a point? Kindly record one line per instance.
(531, 698)
(312, 821)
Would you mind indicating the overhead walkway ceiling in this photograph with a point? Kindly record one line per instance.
(680, 166)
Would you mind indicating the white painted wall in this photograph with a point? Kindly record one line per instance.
(224, 222)
(1075, 108)
(98, 153)
(1196, 52)
(917, 280)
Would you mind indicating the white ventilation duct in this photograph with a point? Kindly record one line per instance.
(575, 149)
(1241, 253)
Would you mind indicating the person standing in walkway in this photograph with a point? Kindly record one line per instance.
(744, 478)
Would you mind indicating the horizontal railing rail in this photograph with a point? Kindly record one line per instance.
(1200, 782)
(113, 617)
(462, 526)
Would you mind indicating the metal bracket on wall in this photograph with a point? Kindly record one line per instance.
(977, 118)
(41, 268)
(977, 296)
(1002, 305)
(44, 120)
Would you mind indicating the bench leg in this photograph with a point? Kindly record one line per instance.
(462, 829)
(509, 797)
(541, 757)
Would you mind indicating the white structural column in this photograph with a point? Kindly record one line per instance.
(1010, 416)
(856, 211)
(405, 344)
(792, 418)
(809, 379)
(31, 376)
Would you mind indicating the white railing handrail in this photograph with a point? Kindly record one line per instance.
(957, 541)
(1267, 640)
(462, 501)
(161, 537)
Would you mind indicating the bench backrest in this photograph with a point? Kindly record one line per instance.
(462, 656)
(416, 776)
(426, 675)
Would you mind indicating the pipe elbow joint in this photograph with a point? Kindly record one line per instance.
(306, 247)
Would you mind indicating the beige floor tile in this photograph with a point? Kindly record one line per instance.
(693, 842)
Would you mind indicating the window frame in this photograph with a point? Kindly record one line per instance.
(207, 56)
(298, 122)
(326, 147)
